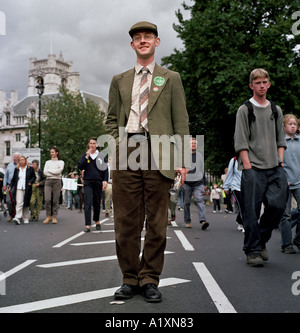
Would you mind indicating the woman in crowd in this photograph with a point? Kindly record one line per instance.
(53, 171)
(23, 178)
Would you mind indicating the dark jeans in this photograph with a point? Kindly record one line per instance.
(238, 199)
(295, 221)
(217, 204)
(92, 197)
(269, 187)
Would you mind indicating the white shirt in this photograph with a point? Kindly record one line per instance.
(93, 156)
(22, 179)
(253, 101)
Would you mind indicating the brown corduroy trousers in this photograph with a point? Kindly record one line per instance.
(140, 196)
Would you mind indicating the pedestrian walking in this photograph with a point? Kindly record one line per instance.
(215, 196)
(233, 184)
(260, 142)
(53, 171)
(37, 196)
(292, 170)
(94, 181)
(21, 186)
(195, 185)
(148, 101)
(10, 198)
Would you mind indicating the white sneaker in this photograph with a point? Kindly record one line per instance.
(214, 211)
(240, 227)
(16, 220)
(26, 221)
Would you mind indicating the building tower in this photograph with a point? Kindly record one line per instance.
(53, 73)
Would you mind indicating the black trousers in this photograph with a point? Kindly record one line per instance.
(269, 187)
(92, 198)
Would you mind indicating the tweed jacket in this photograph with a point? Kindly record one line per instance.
(167, 114)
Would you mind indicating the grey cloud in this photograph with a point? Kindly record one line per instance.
(91, 33)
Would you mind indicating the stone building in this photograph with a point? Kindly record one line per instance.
(14, 113)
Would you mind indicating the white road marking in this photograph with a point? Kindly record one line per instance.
(75, 236)
(76, 298)
(16, 269)
(100, 242)
(93, 243)
(220, 300)
(185, 243)
(68, 240)
(82, 261)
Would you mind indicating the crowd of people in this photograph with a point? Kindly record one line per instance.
(26, 189)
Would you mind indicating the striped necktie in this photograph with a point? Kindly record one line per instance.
(143, 98)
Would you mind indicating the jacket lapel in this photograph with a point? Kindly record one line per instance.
(159, 80)
(126, 81)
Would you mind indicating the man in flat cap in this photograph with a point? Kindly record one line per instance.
(147, 102)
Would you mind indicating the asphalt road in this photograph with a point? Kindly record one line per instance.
(59, 269)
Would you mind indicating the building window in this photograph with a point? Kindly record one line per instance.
(64, 83)
(18, 137)
(32, 113)
(8, 119)
(7, 148)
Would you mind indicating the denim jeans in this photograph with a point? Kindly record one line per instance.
(289, 220)
(198, 192)
(270, 187)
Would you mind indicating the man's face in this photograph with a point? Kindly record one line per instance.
(16, 157)
(93, 145)
(260, 86)
(193, 144)
(144, 44)
(35, 166)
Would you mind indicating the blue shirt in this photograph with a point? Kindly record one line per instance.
(292, 161)
(233, 177)
(9, 173)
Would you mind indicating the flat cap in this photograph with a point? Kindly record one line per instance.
(143, 26)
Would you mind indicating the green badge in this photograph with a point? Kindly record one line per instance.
(159, 81)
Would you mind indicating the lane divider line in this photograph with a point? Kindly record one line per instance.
(220, 300)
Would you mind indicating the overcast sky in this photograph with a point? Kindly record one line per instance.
(91, 33)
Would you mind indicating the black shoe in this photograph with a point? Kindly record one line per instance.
(297, 243)
(204, 225)
(87, 230)
(98, 226)
(151, 293)
(126, 291)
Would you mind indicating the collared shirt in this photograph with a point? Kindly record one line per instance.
(134, 124)
(22, 179)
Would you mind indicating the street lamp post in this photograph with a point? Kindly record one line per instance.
(40, 90)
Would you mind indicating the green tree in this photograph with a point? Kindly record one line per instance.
(68, 124)
(223, 42)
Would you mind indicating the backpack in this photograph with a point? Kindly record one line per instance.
(251, 115)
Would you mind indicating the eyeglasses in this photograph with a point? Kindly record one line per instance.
(146, 38)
